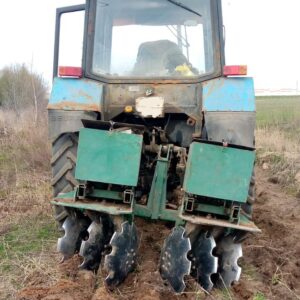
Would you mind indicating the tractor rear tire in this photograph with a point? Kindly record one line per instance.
(248, 206)
(63, 162)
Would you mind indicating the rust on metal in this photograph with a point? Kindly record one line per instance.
(70, 105)
(103, 206)
(249, 226)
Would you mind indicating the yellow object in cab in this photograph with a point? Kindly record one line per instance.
(184, 70)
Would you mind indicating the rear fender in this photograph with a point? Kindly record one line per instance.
(229, 110)
(76, 94)
(71, 101)
(62, 121)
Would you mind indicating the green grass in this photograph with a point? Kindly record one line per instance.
(278, 111)
(4, 156)
(259, 296)
(25, 239)
(27, 252)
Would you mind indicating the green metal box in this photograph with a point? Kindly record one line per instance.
(219, 172)
(108, 157)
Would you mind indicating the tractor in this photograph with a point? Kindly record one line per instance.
(153, 125)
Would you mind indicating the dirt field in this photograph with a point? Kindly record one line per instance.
(271, 262)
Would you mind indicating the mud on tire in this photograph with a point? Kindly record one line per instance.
(63, 162)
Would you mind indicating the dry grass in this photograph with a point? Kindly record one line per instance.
(279, 153)
(278, 139)
(27, 231)
(24, 167)
(28, 256)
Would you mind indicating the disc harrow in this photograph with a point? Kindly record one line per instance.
(180, 257)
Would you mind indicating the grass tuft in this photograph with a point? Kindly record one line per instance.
(259, 296)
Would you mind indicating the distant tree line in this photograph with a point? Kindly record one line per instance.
(22, 89)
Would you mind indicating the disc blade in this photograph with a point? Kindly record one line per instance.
(74, 229)
(204, 263)
(228, 252)
(174, 264)
(122, 258)
(91, 249)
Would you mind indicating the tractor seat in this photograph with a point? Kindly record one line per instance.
(158, 58)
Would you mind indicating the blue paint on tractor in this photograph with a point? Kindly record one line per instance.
(76, 94)
(229, 94)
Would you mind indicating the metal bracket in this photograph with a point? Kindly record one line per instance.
(128, 196)
(189, 204)
(165, 152)
(81, 192)
(235, 214)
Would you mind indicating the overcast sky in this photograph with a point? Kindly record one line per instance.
(264, 34)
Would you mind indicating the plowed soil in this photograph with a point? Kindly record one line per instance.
(271, 261)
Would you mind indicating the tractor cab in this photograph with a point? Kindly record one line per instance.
(147, 40)
(152, 39)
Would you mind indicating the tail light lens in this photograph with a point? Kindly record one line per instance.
(235, 70)
(70, 72)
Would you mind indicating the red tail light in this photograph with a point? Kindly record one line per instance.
(70, 72)
(235, 70)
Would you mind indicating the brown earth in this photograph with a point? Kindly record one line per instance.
(271, 262)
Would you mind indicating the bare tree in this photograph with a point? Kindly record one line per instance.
(22, 89)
